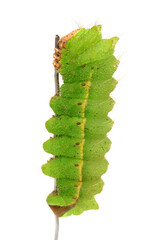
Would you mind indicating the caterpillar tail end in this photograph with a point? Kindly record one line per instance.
(59, 211)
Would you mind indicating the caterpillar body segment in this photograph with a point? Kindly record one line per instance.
(86, 63)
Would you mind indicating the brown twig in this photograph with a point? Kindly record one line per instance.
(56, 81)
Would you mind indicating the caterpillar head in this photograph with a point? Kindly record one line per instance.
(61, 44)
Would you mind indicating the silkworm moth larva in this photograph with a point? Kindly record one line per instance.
(86, 63)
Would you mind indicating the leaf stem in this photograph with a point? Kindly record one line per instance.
(56, 228)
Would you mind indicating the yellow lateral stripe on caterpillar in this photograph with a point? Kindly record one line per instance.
(88, 84)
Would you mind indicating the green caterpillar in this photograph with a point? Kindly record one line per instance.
(86, 63)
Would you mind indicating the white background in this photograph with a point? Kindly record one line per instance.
(130, 201)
